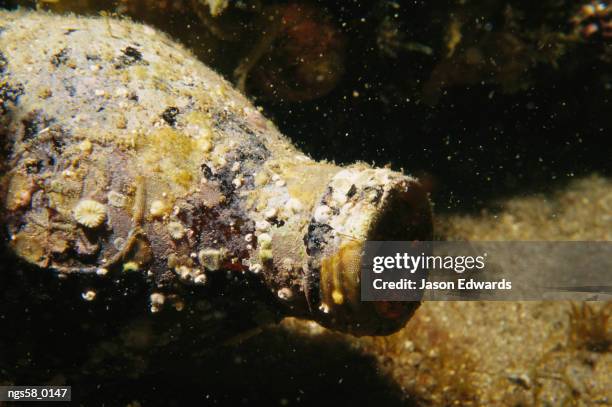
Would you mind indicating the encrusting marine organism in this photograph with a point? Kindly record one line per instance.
(90, 213)
(183, 181)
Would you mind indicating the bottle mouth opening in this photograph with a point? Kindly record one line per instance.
(402, 213)
(405, 215)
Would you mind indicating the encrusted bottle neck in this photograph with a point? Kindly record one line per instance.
(359, 204)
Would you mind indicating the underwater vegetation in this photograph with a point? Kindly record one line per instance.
(299, 57)
(593, 20)
(590, 328)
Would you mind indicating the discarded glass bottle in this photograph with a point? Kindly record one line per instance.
(125, 156)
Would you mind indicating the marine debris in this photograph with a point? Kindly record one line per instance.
(126, 154)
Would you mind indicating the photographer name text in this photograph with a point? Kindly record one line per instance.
(412, 264)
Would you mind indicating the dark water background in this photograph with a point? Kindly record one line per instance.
(477, 143)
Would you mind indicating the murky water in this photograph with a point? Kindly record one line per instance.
(500, 107)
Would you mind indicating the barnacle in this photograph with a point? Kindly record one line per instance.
(176, 230)
(158, 209)
(90, 213)
(157, 301)
(284, 293)
(299, 57)
(200, 279)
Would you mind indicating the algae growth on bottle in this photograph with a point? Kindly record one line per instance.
(125, 155)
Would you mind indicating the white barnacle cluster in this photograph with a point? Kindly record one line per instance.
(345, 210)
(191, 274)
(89, 213)
(285, 293)
(255, 268)
(102, 271)
(283, 209)
(157, 301)
(238, 181)
(278, 208)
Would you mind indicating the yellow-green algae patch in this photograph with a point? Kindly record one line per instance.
(172, 157)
